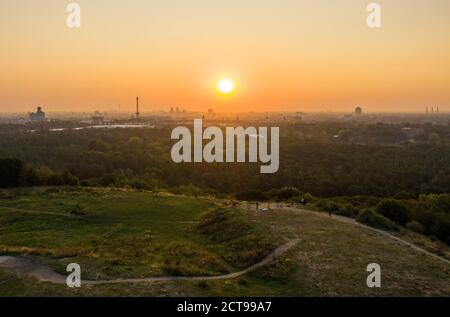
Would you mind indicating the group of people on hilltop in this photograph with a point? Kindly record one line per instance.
(302, 202)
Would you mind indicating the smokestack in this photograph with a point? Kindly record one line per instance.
(137, 107)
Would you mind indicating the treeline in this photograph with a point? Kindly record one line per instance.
(310, 160)
(15, 173)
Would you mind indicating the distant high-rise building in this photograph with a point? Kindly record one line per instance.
(432, 110)
(358, 111)
(39, 115)
(137, 108)
(426, 111)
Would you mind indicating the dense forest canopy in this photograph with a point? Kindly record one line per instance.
(324, 159)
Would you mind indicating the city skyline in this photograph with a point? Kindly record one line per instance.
(312, 56)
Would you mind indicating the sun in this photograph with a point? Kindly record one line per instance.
(226, 86)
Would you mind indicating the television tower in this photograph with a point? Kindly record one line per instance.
(137, 107)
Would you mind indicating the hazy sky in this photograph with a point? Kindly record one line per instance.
(297, 55)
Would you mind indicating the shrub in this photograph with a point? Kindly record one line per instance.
(331, 206)
(251, 195)
(203, 285)
(107, 179)
(285, 193)
(394, 210)
(85, 183)
(404, 195)
(11, 172)
(78, 210)
(372, 218)
(415, 226)
(190, 190)
(69, 179)
(437, 202)
(348, 210)
(321, 203)
(436, 224)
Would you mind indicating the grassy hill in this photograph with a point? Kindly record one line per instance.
(127, 234)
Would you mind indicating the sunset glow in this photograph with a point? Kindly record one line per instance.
(226, 86)
(304, 55)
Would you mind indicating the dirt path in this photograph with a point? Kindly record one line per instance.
(24, 266)
(379, 231)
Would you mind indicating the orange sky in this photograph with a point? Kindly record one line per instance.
(290, 55)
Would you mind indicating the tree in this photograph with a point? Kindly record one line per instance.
(135, 142)
(92, 145)
(10, 172)
(394, 210)
(434, 138)
(69, 179)
(285, 193)
(251, 195)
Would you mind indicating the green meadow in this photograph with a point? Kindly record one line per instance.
(116, 234)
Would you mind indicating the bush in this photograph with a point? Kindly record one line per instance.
(78, 210)
(190, 190)
(107, 179)
(11, 171)
(284, 194)
(69, 179)
(404, 195)
(84, 183)
(331, 206)
(415, 226)
(394, 210)
(348, 210)
(436, 224)
(437, 202)
(372, 218)
(203, 285)
(251, 195)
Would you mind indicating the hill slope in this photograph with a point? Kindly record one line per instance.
(117, 234)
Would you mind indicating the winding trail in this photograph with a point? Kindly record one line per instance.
(24, 266)
(43, 273)
(379, 231)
